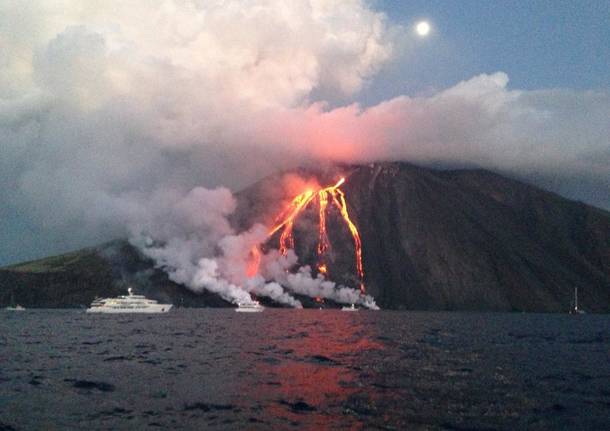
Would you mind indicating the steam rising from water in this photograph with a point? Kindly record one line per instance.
(191, 239)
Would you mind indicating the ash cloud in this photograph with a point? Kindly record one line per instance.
(114, 113)
(190, 238)
(279, 268)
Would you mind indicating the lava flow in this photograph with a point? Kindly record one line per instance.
(332, 194)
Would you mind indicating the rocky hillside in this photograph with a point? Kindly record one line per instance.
(432, 240)
(75, 279)
(456, 240)
(476, 240)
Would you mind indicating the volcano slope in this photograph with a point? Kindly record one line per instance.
(456, 240)
(431, 240)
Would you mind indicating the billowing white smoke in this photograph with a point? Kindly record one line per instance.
(276, 267)
(190, 238)
(303, 283)
(271, 289)
(111, 101)
(206, 277)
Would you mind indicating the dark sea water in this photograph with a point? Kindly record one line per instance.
(303, 369)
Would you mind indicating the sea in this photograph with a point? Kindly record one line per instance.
(283, 369)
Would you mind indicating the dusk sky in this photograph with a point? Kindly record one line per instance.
(540, 44)
(107, 107)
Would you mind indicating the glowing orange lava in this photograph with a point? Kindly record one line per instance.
(288, 216)
(324, 196)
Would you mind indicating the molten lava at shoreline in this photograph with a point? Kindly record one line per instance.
(286, 219)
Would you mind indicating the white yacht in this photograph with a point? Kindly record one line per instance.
(249, 307)
(129, 303)
(350, 308)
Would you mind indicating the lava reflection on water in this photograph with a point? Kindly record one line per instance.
(306, 374)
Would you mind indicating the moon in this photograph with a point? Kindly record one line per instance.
(422, 28)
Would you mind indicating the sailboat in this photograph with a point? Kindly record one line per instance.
(575, 309)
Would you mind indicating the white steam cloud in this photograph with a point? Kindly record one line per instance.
(112, 113)
(276, 267)
(190, 238)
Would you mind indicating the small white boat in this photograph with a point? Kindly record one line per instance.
(249, 307)
(129, 303)
(350, 308)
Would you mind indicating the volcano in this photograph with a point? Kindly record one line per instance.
(430, 240)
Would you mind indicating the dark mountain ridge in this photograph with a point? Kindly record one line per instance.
(477, 240)
(432, 240)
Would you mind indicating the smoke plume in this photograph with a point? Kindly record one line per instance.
(190, 238)
(275, 266)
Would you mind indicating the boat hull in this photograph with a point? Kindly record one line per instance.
(249, 310)
(150, 309)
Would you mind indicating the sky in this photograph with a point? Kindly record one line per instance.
(107, 108)
(540, 44)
